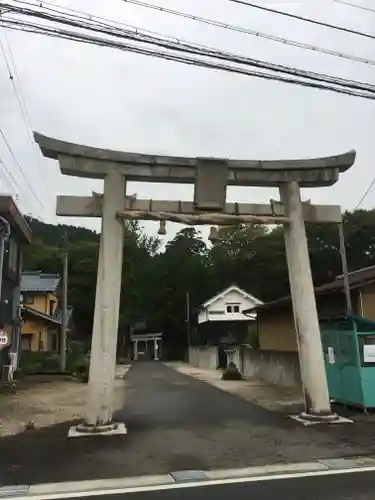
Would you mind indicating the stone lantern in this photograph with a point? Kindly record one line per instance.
(231, 372)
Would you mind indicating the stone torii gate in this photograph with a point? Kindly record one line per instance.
(210, 177)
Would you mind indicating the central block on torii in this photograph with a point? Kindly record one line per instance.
(90, 162)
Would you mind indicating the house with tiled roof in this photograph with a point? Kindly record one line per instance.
(41, 311)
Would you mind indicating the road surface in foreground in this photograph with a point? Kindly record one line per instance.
(175, 423)
(359, 485)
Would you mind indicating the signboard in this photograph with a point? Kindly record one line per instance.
(3, 339)
(369, 353)
(331, 356)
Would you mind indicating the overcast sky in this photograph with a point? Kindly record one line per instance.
(110, 99)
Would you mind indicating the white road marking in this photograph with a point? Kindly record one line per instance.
(164, 487)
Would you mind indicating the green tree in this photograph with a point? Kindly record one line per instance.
(155, 282)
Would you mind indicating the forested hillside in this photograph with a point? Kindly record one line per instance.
(155, 283)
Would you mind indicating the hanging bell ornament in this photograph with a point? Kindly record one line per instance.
(214, 235)
(162, 228)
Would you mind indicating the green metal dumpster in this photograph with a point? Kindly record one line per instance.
(349, 353)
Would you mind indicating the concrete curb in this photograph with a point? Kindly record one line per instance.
(186, 479)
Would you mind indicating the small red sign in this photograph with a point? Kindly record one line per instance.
(3, 339)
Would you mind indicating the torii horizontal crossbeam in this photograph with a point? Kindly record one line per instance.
(91, 206)
(84, 161)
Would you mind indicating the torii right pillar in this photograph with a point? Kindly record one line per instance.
(314, 382)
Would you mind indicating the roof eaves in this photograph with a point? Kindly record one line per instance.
(223, 292)
(41, 315)
(337, 284)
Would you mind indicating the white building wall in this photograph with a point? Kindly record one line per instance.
(217, 310)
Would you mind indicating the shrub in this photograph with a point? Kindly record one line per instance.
(39, 362)
(81, 369)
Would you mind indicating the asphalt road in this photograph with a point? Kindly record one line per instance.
(175, 423)
(352, 486)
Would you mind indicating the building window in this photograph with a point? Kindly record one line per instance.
(233, 308)
(51, 307)
(12, 255)
(26, 341)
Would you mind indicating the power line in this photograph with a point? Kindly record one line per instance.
(179, 45)
(187, 47)
(246, 31)
(11, 177)
(5, 178)
(365, 195)
(239, 29)
(362, 7)
(21, 102)
(2, 133)
(80, 37)
(305, 19)
(20, 168)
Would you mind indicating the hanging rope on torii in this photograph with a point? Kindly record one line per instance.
(219, 219)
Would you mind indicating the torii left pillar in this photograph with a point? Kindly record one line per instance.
(99, 413)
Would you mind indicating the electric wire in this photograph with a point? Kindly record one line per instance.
(4, 173)
(192, 49)
(356, 6)
(23, 106)
(304, 19)
(246, 31)
(181, 45)
(364, 195)
(80, 37)
(20, 168)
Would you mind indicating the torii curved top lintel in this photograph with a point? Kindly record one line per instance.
(86, 161)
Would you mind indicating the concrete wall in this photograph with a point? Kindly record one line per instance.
(279, 368)
(204, 357)
(274, 367)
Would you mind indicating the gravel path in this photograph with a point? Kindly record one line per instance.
(48, 400)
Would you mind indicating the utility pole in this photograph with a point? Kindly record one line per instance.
(188, 333)
(64, 305)
(344, 264)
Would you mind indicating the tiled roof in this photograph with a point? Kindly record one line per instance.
(356, 279)
(36, 281)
